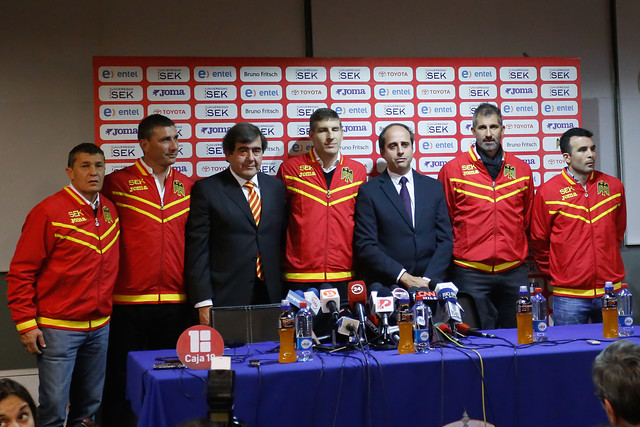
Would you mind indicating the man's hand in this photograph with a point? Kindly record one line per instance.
(408, 281)
(31, 340)
(203, 314)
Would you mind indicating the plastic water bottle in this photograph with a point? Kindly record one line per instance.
(609, 312)
(524, 316)
(405, 326)
(625, 311)
(286, 329)
(304, 330)
(421, 317)
(539, 303)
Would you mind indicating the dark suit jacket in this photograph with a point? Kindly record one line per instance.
(384, 239)
(222, 240)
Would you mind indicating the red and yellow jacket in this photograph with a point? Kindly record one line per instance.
(152, 241)
(576, 234)
(320, 231)
(489, 219)
(65, 265)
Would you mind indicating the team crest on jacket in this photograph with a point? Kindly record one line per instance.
(347, 174)
(509, 171)
(107, 215)
(603, 188)
(178, 188)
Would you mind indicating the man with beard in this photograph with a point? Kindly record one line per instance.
(577, 227)
(489, 195)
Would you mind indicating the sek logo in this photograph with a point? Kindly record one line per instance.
(216, 93)
(170, 74)
(122, 152)
(355, 74)
(121, 94)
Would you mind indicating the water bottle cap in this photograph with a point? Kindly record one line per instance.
(419, 298)
(625, 285)
(538, 290)
(524, 290)
(303, 304)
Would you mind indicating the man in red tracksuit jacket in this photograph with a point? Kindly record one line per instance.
(60, 282)
(321, 188)
(150, 304)
(489, 194)
(578, 223)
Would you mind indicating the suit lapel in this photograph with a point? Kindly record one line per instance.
(265, 200)
(419, 191)
(392, 194)
(233, 191)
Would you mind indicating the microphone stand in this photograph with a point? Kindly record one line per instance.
(384, 341)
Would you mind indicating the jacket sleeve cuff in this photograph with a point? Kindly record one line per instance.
(27, 326)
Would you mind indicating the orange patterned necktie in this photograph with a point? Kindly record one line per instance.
(256, 210)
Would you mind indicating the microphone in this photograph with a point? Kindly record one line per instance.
(427, 295)
(444, 329)
(468, 331)
(295, 299)
(312, 296)
(398, 295)
(330, 301)
(382, 303)
(449, 310)
(349, 327)
(357, 292)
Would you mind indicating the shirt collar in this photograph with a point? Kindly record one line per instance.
(327, 168)
(396, 177)
(150, 169)
(243, 181)
(93, 205)
(575, 178)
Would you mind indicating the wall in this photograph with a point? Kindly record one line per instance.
(47, 49)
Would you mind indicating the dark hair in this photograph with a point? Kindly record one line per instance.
(485, 109)
(323, 114)
(616, 377)
(382, 139)
(85, 147)
(243, 133)
(146, 126)
(565, 139)
(9, 387)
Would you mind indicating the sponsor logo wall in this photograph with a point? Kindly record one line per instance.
(539, 98)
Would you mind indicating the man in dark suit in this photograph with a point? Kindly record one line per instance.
(235, 229)
(402, 230)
